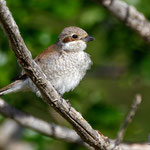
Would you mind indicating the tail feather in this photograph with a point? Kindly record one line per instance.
(11, 88)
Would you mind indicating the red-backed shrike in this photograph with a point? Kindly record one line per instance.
(64, 63)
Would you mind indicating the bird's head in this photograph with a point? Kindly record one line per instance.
(73, 39)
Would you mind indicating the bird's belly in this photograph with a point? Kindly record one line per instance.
(67, 71)
(67, 82)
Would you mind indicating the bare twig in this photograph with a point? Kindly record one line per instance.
(49, 94)
(29, 121)
(129, 15)
(135, 146)
(128, 119)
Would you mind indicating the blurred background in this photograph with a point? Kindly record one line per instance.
(121, 68)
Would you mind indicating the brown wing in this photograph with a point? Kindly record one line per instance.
(47, 53)
(43, 55)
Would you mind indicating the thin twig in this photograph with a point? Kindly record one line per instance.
(128, 119)
(46, 128)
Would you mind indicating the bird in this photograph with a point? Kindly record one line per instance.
(64, 63)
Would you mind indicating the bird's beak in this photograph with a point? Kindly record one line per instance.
(88, 38)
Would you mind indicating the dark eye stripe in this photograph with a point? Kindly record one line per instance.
(68, 39)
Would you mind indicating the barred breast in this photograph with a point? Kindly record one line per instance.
(65, 69)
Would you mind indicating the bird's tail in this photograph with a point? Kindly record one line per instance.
(13, 87)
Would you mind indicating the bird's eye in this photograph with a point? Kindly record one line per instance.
(74, 36)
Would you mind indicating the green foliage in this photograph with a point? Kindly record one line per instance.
(104, 96)
(34, 138)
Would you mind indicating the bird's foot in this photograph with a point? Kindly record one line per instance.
(62, 100)
(68, 104)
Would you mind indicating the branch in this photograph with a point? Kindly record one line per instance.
(135, 146)
(48, 129)
(49, 94)
(128, 119)
(52, 130)
(129, 15)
